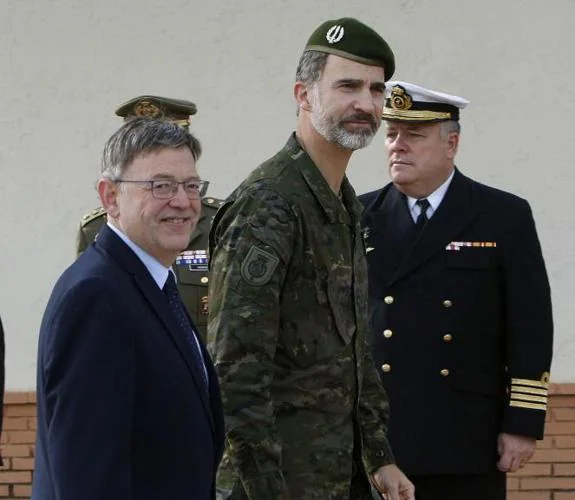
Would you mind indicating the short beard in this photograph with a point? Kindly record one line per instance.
(335, 132)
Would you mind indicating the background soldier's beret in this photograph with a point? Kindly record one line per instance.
(159, 108)
(350, 38)
(408, 102)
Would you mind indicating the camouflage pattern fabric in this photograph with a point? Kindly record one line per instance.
(288, 321)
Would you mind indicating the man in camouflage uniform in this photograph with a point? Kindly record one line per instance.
(305, 413)
(191, 267)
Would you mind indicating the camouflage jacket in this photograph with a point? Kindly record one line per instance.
(288, 320)
(191, 266)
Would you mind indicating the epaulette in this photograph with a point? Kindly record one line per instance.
(94, 214)
(213, 202)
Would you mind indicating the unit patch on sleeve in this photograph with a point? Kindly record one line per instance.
(258, 266)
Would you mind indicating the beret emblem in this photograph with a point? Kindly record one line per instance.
(334, 34)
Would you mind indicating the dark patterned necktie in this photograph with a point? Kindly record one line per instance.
(422, 218)
(177, 307)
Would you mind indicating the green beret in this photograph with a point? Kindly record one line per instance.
(160, 108)
(350, 38)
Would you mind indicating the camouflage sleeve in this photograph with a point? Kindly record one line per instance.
(374, 417)
(252, 246)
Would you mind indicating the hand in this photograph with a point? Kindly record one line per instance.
(514, 451)
(393, 484)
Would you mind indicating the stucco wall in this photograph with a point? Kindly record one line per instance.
(66, 64)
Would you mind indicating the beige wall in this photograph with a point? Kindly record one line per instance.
(65, 65)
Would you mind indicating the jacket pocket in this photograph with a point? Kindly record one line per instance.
(341, 300)
(469, 258)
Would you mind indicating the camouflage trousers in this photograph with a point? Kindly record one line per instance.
(360, 489)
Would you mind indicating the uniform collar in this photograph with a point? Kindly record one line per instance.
(434, 198)
(335, 209)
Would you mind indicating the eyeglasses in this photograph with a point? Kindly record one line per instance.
(166, 190)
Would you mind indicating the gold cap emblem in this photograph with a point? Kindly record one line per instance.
(147, 109)
(399, 98)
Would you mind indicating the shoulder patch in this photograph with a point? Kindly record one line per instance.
(94, 214)
(258, 266)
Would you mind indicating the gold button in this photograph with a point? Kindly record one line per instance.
(444, 372)
(204, 279)
(447, 303)
(447, 337)
(387, 333)
(388, 299)
(386, 367)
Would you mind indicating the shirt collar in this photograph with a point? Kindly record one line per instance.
(157, 270)
(434, 198)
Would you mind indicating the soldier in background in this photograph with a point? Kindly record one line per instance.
(191, 266)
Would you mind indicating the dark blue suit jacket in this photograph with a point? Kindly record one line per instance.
(122, 414)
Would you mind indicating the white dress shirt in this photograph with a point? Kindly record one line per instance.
(434, 200)
(158, 272)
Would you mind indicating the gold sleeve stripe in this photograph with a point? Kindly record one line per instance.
(527, 390)
(529, 406)
(525, 397)
(530, 383)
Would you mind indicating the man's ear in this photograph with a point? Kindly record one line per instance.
(108, 191)
(452, 145)
(301, 93)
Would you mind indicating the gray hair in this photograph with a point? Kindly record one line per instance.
(143, 135)
(449, 127)
(310, 67)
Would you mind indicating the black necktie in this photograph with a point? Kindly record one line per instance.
(422, 218)
(173, 296)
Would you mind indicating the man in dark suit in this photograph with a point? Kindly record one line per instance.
(128, 401)
(460, 308)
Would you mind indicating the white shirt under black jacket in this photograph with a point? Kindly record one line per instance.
(434, 200)
(158, 272)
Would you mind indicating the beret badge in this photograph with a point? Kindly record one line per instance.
(399, 98)
(334, 34)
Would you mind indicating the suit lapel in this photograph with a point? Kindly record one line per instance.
(157, 301)
(456, 211)
(155, 297)
(389, 232)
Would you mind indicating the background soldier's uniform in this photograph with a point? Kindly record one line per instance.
(288, 318)
(191, 266)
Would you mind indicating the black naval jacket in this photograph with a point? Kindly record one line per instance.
(461, 324)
